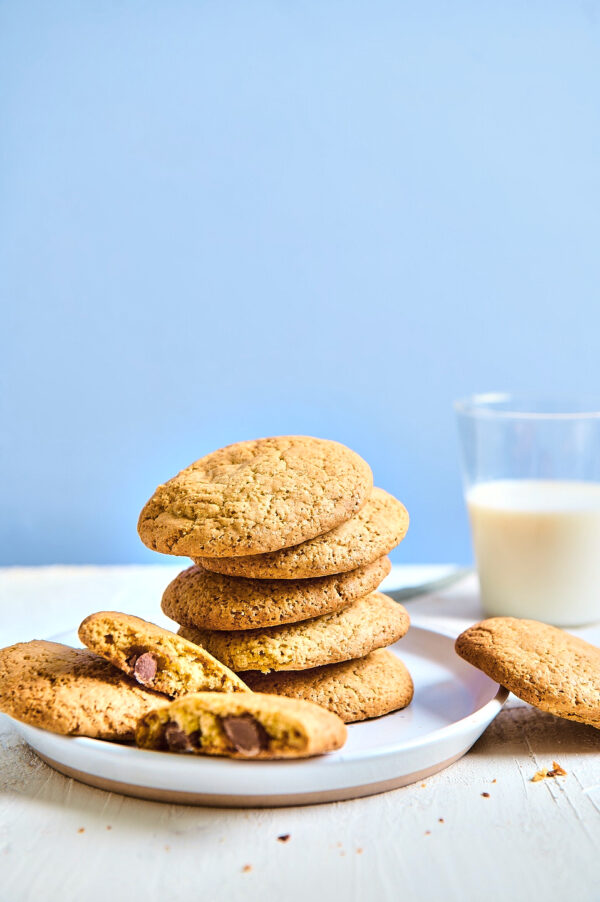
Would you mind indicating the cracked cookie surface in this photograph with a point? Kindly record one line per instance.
(354, 690)
(366, 624)
(543, 665)
(155, 657)
(71, 691)
(255, 497)
(370, 534)
(213, 601)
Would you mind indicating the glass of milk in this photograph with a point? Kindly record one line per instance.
(532, 483)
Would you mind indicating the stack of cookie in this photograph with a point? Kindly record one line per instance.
(289, 541)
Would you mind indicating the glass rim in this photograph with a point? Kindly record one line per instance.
(481, 405)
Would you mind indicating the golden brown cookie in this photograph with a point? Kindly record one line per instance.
(242, 725)
(541, 664)
(71, 691)
(354, 690)
(352, 632)
(370, 534)
(155, 657)
(212, 601)
(255, 497)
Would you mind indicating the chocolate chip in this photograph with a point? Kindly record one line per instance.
(246, 734)
(144, 668)
(178, 740)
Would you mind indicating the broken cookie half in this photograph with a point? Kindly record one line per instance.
(248, 725)
(155, 657)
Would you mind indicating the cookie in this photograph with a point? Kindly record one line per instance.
(241, 725)
(368, 623)
(354, 690)
(156, 658)
(370, 534)
(255, 497)
(212, 601)
(541, 664)
(71, 691)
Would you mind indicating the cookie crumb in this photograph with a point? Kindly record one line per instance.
(440, 820)
(485, 795)
(108, 827)
(359, 851)
(246, 868)
(81, 830)
(285, 837)
(428, 833)
(494, 780)
(423, 785)
(555, 771)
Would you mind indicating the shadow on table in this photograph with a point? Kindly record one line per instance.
(522, 730)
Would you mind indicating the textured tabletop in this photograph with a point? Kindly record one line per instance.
(479, 830)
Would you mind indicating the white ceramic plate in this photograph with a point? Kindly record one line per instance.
(453, 705)
(411, 580)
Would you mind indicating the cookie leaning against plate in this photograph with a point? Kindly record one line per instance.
(241, 725)
(208, 600)
(71, 691)
(541, 664)
(354, 690)
(368, 623)
(370, 534)
(255, 497)
(155, 657)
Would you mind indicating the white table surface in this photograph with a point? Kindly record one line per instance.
(60, 839)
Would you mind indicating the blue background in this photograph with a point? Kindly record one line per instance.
(225, 220)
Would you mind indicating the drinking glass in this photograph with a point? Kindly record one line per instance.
(532, 484)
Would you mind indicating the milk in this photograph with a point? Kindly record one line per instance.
(537, 546)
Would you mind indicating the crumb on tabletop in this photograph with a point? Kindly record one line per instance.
(359, 851)
(485, 795)
(544, 772)
(285, 837)
(494, 780)
(81, 830)
(246, 869)
(428, 833)
(440, 820)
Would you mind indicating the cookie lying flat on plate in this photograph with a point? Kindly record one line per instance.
(241, 726)
(156, 658)
(256, 496)
(70, 691)
(369, 623)
(354, 690)
(370, 534)
(212, 601)
(541, 664)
